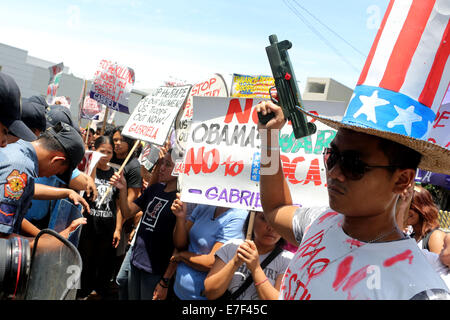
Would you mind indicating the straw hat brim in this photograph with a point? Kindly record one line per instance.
(434, 157)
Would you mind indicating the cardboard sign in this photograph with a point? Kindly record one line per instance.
(91, 109)
(112, 85)
(149, 156)
(246, 86)
(214, 86)
(222, 162)
(152, 118)
(89, 161)
(56, 72)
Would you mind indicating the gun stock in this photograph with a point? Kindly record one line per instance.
(289, 98)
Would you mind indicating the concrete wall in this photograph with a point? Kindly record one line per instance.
(32, 76)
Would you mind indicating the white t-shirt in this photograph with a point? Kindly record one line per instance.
(331, 265)
(276, 267)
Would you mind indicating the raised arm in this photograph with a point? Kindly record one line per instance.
(127, 208)
(182, 226)
(275, 195)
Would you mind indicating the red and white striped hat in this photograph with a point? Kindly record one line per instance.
(404, 80)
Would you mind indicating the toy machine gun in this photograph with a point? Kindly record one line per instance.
(289, 98)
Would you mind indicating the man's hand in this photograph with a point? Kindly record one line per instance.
(178, 207)
(77, 199)
(160, 293)
(266, 107)
(91, 189)
(116, 238)
(118, 181)
(75, 223)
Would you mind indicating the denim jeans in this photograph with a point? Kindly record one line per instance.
(122, 276)
(141, 284)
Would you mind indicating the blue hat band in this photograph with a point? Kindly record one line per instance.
(387, 110)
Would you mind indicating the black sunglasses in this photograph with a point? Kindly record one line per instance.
(351, 166)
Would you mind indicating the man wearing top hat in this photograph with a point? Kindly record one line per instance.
(353, 249)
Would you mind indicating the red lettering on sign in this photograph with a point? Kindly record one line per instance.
(235, 108)
(199, 162)
(233, 168)
(148, 131)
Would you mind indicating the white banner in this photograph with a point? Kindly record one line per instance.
(222, 161)
(112, 85)
(152, 118)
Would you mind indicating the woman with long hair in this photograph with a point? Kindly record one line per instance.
(424, 219)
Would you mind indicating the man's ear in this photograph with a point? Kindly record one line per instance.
(57, 158)
(403, 179)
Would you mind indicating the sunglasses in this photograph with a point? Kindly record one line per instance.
(351, 166)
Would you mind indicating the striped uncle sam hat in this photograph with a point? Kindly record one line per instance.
(404, 80)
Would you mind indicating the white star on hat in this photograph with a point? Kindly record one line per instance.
(368, 106)
(405, 118)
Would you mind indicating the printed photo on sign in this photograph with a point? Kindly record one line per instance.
(153, 211)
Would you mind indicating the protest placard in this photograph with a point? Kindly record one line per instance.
(222, 161)
(90, 109)
(247, 86)
(53, 84)
(214, 86)
(112, 85)
(152, 118)
(438, 134)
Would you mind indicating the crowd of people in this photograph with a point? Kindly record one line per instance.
(142, 242)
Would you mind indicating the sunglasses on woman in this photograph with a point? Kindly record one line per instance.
(351, 166)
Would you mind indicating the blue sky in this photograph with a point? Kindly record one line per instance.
(190, 40)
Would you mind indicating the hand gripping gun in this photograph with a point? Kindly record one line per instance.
(286, 85)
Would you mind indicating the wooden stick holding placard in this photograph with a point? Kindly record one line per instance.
(120, 171)
(250, 225)
(104, 121)
(87, 132)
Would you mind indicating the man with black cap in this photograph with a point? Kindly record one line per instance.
(33, 115)
(56, 152)
(10, 112)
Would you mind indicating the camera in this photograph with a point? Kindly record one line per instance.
(51, 270)
(15, 260)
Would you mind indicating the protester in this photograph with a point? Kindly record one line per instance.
(57, 151)
(101, 235)
(150, 267)
(438, 261)
(132, 173)
(423, 216)
(238, 260)
(197, 238)
(10, 112)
